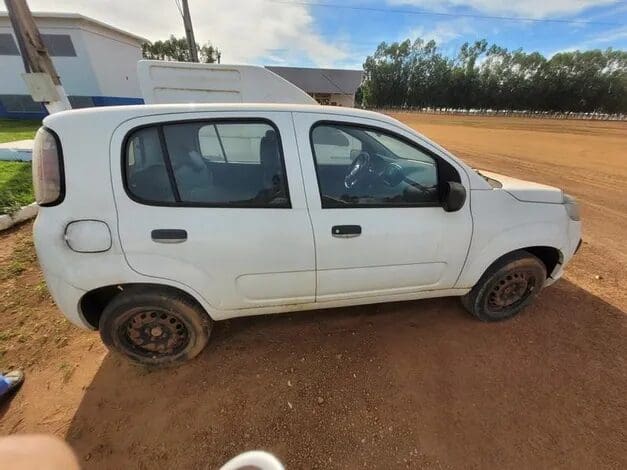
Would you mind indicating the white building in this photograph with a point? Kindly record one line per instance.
(97, 63)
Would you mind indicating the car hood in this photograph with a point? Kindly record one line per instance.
(527, 191)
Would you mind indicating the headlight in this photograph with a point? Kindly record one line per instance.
(572, 207)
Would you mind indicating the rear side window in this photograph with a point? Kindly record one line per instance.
(207, 164)
(48, 178)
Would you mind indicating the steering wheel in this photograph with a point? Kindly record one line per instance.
(358, 169)
(393, 175)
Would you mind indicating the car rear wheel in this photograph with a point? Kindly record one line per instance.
(155, 328)
(506, 288)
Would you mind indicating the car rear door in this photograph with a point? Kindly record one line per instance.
(215, 201)
(379, 239)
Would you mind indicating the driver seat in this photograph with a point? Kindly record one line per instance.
(269, 157)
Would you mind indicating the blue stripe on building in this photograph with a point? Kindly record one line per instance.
(85, 101)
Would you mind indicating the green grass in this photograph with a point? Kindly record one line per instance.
(16, 187)
(22, 257)
(67, 371)
(13, 129)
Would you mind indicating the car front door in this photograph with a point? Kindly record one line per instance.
(215, 202)
(373, 191)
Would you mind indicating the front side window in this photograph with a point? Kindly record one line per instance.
(217, 164)
(365, 167)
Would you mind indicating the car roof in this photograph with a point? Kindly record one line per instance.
(105, 119)
(132, 111)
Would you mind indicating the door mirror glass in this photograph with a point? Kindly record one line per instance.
(454, 196)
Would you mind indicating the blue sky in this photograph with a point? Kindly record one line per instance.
(360, 31)
(305, 33)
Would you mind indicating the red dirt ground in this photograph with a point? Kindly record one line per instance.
(413, 384)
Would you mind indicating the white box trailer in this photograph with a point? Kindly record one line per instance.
(188, 82)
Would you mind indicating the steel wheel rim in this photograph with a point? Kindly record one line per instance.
(510, 290)
(154, 332)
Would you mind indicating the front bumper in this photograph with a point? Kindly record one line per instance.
(558, 272)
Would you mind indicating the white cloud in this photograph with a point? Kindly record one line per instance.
(600, 40)
(442, 32)
(609, 37)
(244, 30)
(525, 8)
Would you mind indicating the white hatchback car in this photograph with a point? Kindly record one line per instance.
(157, 219)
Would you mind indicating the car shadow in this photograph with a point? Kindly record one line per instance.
(378, 386)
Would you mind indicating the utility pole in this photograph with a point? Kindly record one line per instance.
(189, 32)
(41, 77)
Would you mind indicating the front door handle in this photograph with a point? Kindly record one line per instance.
(168, 235)
(346, 231)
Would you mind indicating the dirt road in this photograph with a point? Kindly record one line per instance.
(587, 159)
(414, 384)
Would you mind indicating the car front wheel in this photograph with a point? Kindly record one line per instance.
(157, 328)
(507, 287)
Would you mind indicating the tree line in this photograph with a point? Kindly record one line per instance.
(177, 49)
(479, 76)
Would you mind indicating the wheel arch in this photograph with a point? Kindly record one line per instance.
(550, 256)
(93, 302)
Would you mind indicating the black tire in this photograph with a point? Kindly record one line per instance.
(507, 287)
(155, 327)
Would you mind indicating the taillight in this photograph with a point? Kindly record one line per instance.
(47, 168)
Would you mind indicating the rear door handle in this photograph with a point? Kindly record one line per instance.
(169, 235)
(346, 231)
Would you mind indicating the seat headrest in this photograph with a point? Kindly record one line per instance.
(269, 149)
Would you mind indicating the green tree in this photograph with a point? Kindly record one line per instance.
(176, 49)
(418, 75)
(387, 73)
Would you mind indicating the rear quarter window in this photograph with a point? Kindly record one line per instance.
(146, 175)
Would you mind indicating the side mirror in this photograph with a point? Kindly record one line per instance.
(453, 197)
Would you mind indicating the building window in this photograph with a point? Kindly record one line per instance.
(322, 98)
(7, 45)
(59, 45)
(20, 104)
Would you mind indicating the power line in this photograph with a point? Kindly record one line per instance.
(431, 13)
(178, 7)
